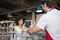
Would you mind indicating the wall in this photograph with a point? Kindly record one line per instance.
(38, 17)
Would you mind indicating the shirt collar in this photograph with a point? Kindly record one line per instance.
(51, 9)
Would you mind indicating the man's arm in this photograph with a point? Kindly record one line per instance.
(33, 30)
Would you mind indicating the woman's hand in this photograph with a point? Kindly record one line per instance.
(22, 30)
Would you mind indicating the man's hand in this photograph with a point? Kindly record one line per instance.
(33, 30)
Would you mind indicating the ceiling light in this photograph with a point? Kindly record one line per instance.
(39, 9)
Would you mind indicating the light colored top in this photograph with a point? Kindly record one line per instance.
(51, 22)
(17, 30)
(18, 33)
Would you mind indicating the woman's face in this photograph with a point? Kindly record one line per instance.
(20, 22)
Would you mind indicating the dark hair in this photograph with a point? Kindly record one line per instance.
(18, 18)
(49, 3)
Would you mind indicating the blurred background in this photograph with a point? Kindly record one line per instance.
(30, 9)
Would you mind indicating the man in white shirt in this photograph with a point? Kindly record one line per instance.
(50, 22)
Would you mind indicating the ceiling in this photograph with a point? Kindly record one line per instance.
(19, 5)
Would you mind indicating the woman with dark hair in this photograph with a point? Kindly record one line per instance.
(19, 28)
(19, 18)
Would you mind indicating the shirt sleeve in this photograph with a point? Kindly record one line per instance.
(42, 22)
